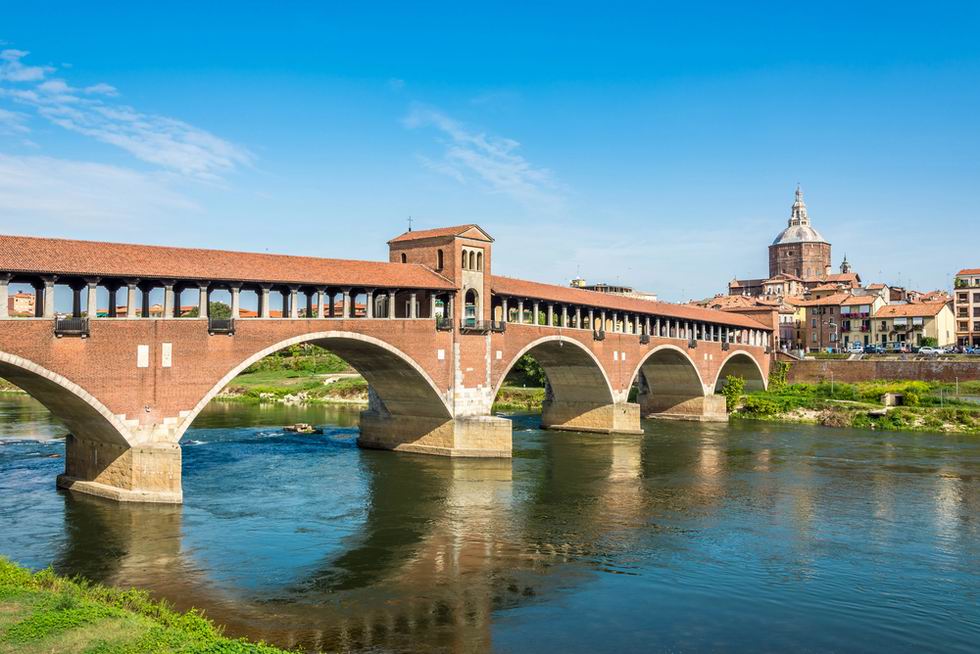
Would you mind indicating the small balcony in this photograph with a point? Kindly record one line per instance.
(724, 346)
(692, 343)
(221, 326)
(472, 326)
(599, 335)
(444, 324)
(498, 326)
(71, 327)
(644, 339)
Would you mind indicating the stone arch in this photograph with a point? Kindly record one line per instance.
(85, 416)
(401, 386)
(741, 364)
(579, 395)
(670, 385)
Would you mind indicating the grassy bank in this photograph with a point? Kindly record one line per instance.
(41, 612)
(928, 406)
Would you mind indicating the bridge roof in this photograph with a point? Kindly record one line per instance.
(33, 255)
(582, 297)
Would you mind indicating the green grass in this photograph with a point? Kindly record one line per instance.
(42, 612)
(517, 398)
(843, 405)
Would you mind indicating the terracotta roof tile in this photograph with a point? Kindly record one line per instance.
(555, 293)
(969, 271)
(27, 254)
(919, 309)
(457, 230)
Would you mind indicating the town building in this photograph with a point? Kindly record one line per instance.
(898, 325)
(966, 306)
(21, 305)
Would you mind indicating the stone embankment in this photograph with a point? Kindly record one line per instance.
(931, 370)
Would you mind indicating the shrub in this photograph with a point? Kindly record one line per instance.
(777, 375)
(834, 418)
(757, 406)
(733, 389)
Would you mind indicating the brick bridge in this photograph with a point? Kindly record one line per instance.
(432, 331)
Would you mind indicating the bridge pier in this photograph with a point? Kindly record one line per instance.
(620, 417)
(469, 436)
(706, 408)
(142, 473)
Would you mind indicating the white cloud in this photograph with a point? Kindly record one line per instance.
(491, 160)
(48, 192)
(12, 122)
(169, 143)
(11, 69)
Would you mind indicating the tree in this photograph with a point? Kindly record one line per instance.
(215, 310)
(929, 341)
(527, 372)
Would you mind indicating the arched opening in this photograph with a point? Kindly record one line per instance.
(466, 260)
(669, 385)
(564, 379)
(472, 260)
(471, 306)
(741, 364)
(396, 388)
(404, 258)
(440, 263)
(479, 261)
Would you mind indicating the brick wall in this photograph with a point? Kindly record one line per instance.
(867, 370)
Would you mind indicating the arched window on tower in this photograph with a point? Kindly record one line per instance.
(404, 258)
(479, 261)
(465, 259)
(439, 261)
(472, 260)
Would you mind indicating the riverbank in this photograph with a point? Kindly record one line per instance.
(927, 406)
(42, 612)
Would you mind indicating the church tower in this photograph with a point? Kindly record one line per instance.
(799, 250)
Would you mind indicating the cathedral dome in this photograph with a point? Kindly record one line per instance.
(799, 230)
(798, 234)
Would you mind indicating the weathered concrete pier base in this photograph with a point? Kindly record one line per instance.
(621, 418)
(148, 473)
(474, 436)
(709, 408)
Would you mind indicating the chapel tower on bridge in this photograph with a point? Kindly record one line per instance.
(799, 249)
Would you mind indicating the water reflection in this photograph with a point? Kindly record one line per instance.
(691, 538)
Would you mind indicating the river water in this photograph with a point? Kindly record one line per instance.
(691, 538)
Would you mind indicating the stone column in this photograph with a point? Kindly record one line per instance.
(602, 318)
(391, 303)
(520, 312)
(236, 309)
(452, 305)
(113, 289)
(564, 315)
(345, 308)
(369, 303)
(145, 300)
(202, 300)
(168, 299)
(592, 319)
(48, 296)
(76, 300)
(264, 300)
(413, 309)
(432, 304)
(615, 322)
(578, 317)
(293, 302)
(131, 288)
(550, 317)
(503, 306)
(646, 325)
(534, 313)
(4, 295)
(321, 297)
(309, 303)
(331, 310)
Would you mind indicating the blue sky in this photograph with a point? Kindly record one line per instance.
(652, 144)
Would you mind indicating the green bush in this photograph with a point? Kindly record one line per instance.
(733, 389)
(756, 406)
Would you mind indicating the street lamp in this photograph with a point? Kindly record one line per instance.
(835, 334)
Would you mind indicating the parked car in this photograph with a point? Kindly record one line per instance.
(927, 349)
(855, 348)
(873, 348)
